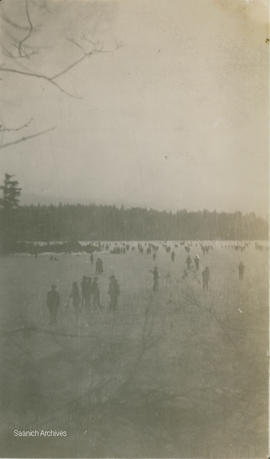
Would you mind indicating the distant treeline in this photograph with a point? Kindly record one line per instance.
(66, 222)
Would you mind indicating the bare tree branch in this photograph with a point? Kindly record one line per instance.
(85, 55)
(24, 138)
(7, 53)
(12, 23)
(42, 5)
(3, 128)
(40, 76)
(18, 48)
(21, 47)
(74, 42)
(29, 31)
(52, 79)
(72, 65)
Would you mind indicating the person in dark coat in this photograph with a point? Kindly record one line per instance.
(114, 292)
(197, 262)
(155, 279)
(205, 278)
(88, 292)
(76, 299)
(241, 270)
(99, 266)
(96, 293)
(53, 304)
(188, 262)
(83, 291)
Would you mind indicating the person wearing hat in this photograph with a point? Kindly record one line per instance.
(53, 304)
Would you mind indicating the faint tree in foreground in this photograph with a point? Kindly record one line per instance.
(20, 50)
(9, 203)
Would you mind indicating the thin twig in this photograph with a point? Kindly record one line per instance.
(27, 137)
(3, 128)
(52, 79)
(12, 23)
(72, 65)
(29, 32)
(40, 76)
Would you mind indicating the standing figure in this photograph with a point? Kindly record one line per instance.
(197, 262)
(83, 290)
(96, 293)
(99, 266)
(114, 292)
(173, 255)
(241, 270)
(205, 278)
(53, 304)
(76, 299)
(155, 279)
(188, 262)
(87, 292)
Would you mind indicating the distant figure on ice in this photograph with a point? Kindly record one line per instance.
(87, 292)
(76, 299)
(92, 258)
(53, 304)
(99, 266)
(84, 291)
(155, 279)
(188, 262)
(241, 270)
(197, 262)
(96, 293)
(205, 278)
(114, 292)
(173, 255)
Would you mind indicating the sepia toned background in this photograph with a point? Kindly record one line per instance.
(135, 132)
(172, 115)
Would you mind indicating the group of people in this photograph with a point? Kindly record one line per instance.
(85, 298)
(205, 273)
(205, 278)
(90, 293)
(196, 262)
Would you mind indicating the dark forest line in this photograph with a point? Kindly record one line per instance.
(66, 222)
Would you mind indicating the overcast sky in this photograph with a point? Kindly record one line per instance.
(176, 117)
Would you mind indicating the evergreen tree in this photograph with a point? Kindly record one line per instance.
(9, 203)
